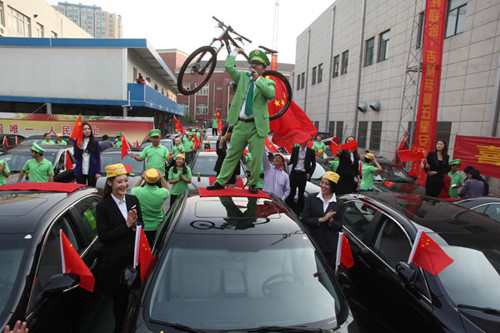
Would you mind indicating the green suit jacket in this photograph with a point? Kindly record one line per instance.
(263, 92)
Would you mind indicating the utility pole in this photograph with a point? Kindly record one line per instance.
(275, 27)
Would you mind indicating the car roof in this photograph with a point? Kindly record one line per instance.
(472, 202)
(47, 148)
(209, 215)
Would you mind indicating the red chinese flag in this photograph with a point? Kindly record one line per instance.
(245, 153)
(143, 255)
(428, 254)
(334, 147)
(196, 142)
(352, 145)
(125, 146)
(78, 132)
(69, 162)
(310, 144)
(5, 142)
(344, 253)
(16, 142)
(270, 146)
(411, 155)
(219, 125)
(403, 145)
(178, 126)
(73, 263)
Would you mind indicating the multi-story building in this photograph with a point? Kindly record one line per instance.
(94, 20)
(35, 18)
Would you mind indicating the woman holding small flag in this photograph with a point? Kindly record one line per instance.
(88, 157)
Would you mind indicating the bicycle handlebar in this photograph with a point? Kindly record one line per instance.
(268, 50)
(222, 25)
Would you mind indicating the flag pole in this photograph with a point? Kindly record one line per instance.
(63, 261)
(415, 246)
(339, 251)
(136, 246)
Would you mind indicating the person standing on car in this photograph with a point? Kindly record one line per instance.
(40, 169)
(303, 161)
(117, 216)
(319, 147)
(323, 215)
(369, 169)
(88, 158)
(151, 197)
(248, 113)
(179, 176)
(348, 170)
(4, 172)
(155, 154)
(436, 167)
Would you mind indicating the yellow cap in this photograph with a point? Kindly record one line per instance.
(114, 170)
(59, 135)
(152, 176)
(181, 156)
(369, 156)
(321, 151)
(333, 176)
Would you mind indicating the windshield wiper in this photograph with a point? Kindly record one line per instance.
(478, 308)
(291, 329)
(178, 326)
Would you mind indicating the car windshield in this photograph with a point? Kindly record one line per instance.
(230, 282)
(474, 276)
(16, 159)
(108, 159)
(393, 173)
(12, 249)
(204, 165)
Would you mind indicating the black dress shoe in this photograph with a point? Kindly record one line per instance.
(215, 186)
(253, 189)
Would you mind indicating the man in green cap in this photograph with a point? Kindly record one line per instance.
(456, 178)
(214, 124)
(155, 154)
(248, 113)
(39, 168)
(118, 141)
(188, 145)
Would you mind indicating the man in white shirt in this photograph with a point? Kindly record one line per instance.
(276, 180)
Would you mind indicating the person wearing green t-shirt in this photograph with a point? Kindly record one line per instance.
(179, 176)
(188, 145)
(118, 141)
(319, 147)
(334, 162)
(215, 124)
(151, 199)
(60, 140)
(368, 170)
(456, 178)
(46, 140)
(4, 172)
(39, 168)
(155, 154)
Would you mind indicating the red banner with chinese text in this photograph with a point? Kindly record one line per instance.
(482, 153)
(428, 99)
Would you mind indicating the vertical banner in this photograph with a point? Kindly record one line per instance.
(428, 99)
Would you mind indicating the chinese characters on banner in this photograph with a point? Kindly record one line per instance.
(426, 124)
(480, 152)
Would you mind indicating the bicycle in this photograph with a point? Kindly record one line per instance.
(200, 65)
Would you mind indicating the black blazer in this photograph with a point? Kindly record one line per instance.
(324, 234)
(433, 161)
(112, 230)
(309, 161)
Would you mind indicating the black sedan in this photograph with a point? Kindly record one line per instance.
(396, 297)
(236, 264)
(32, 287)
(489, 206)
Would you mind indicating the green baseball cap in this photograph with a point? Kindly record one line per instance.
(118, 134)
(189, 133)
(155, 132)
(455, 162)
(260, 56)
(37, 148)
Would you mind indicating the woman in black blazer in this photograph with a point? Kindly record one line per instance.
(348, 169)
(117, 216)
(221, 149)
(323, 215)
(437, 167)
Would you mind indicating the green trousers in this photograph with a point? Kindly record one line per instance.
(243, 134)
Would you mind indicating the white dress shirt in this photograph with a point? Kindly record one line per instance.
(325, 204)
(85, 157)
(276, 181)
(122, 206)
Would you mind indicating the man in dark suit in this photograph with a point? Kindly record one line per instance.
(303, 161)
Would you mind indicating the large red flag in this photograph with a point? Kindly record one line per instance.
(351, 145)
(78, 132)
(196, 141)
(293, 127)
(73, 263)
(334, 147)
(5, 142)
(125, 146)
(142, 253)
(178, 126)
(69, 162)
(272, 148)
(403, 145)
(344, 253)
(411, 155)
(427, 254)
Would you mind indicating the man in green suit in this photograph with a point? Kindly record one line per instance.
(248, 113)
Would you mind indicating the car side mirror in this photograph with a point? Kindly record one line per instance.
(60, 283)
(405, 272)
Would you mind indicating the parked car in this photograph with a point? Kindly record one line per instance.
(11, 141)
(229, 264)
(489, 206)
(114, 156)
(55, 154)
(32, 287)
(395, 179)
(202, 169)
(30, 140)
(392, 296)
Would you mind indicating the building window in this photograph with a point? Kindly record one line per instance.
(19, 22)
(345, 60)
(320, 73)
(314, 75)
(2, 19)
(202, 109)
(362, 133)
(383, 46)
(443, 130)
(340, 130)
(298, 82)
(303, 80)
(39, 30)
(331, 128)
(205, 90)
(420, 36)
(369, 49)
(375, 135)
(456, 17)
(336, 66)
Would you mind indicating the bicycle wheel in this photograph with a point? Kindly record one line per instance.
(283, 97)
(196, 70)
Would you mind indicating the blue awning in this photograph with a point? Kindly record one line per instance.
(143, 95)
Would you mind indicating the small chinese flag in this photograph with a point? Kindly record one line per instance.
(344, 253)
(136, 144)
(334, 147)
(388, 183)
(178, 126)
(310, 144)
(410, 155)
(142, 253)
(78, 132)
(5, 142)
(125, 146)
(352, 145)
(428, 254)
(69, 162)
(16, 142)
(73, 263)
(270, 146)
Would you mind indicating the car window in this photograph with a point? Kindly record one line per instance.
(204, 165)
(392, 243)
(493, 212)
(357, 217)
(479, 209)
(85, 215)
(319, 171)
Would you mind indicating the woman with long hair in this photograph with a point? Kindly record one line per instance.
(179, 176)
(348, 170)
(437, 167)
(323, 215)
(88, 158)
(117, 216)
